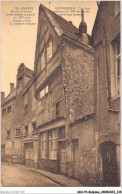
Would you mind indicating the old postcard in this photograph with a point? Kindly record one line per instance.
(60, 96)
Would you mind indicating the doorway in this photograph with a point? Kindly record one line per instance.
(109, 164)
(62, 148)
(29, 154)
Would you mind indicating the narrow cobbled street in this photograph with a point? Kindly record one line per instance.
(20, 176)
(17, 175)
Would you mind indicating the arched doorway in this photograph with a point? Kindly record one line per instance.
(108, 155)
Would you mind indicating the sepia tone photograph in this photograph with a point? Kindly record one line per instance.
(60, 94)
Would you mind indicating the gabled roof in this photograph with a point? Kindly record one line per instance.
(10, 97)
(61, 25)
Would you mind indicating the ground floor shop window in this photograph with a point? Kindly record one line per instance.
(43, 144)
(53, 136)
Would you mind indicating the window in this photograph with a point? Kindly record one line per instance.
(117, 7)
(26, 109)
(57, 109)
(49, 51)
(20, 82)
(43, 144)
(62, 133)
(115, 68)
(34, 126)
(28, 145)
(44, 92)
(53, 136)
(9, 109)
(42, 61)
(18, 132)
(8, 133)
(31, 145)
(63, 151)
(38, 68)
(3, 111)
(117, 65)
(26, 130)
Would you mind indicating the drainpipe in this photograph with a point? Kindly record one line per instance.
(38, 153)
(106, 70)
(65, 96)
(105, 55)
(21, 147)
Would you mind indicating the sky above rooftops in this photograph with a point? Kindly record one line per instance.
(18, 42)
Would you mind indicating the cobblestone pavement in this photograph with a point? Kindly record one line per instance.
(19, 176)
(24, 176)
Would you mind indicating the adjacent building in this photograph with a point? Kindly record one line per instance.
(64, 116)
(106, 43)
(12, 117)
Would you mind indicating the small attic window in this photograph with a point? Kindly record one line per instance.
(49, 51)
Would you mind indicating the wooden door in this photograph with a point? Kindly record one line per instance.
(110, 177)
(26, 154)
(62, 148)
(29, 154)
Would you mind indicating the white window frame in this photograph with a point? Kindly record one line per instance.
(114, 58)
(53, 144)
(117, 77)
(43, 145)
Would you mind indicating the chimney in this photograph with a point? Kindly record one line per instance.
(70, 22)
(83, 29)
(11, 87)
(2, 96)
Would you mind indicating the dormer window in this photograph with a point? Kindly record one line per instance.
(49, 51)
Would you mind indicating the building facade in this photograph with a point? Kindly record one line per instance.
(65, 105)
(106, 42)
(12, 117)
(65, 113)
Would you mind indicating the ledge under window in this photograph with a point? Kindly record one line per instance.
(26, 135)
(17, 136)
(34, 132)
